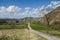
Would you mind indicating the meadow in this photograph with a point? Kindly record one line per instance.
(17, 26)
(45, 29)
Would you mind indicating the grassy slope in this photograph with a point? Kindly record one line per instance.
(43, 28)
(19, 34)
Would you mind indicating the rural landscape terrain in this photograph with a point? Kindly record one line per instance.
(42, 23)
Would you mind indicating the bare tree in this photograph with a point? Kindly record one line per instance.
(46, 18)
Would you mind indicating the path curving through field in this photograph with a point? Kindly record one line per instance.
(48, 37)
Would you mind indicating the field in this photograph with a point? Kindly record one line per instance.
(20, 26)
(45, 29)
(19, 34)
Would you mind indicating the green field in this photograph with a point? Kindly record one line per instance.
(13, 26)
(45, 29)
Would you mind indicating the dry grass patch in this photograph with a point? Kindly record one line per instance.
(19, 34)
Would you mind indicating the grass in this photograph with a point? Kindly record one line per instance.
(19, 34)
(13, 26)
(45, 29)
(21, 26)
(38, 26)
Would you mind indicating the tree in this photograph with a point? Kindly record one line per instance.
(46, 18)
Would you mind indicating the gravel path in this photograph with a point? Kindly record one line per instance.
(48, 37)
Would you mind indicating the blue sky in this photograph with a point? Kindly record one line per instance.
(26, 8)
(25, 3)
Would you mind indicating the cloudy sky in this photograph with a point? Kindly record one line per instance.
(26, 8)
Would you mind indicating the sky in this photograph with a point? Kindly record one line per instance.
(26, 8)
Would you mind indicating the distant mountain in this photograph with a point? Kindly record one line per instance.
(29, 19)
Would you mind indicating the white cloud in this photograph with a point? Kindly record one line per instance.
(39, 12)
(17, 12)
(42, 7)
(9, 12)
(13, 9)
(2, 9)
(35, 10)
(49, 7)
(27, 8)
(55, 2)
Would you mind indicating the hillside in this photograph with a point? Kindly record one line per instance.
(29, 19)
(54, 18)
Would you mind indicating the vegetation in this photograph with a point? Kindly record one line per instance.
(53, 19)
(4, 37)
(13, 26)
(44, 28)
(19, 34)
